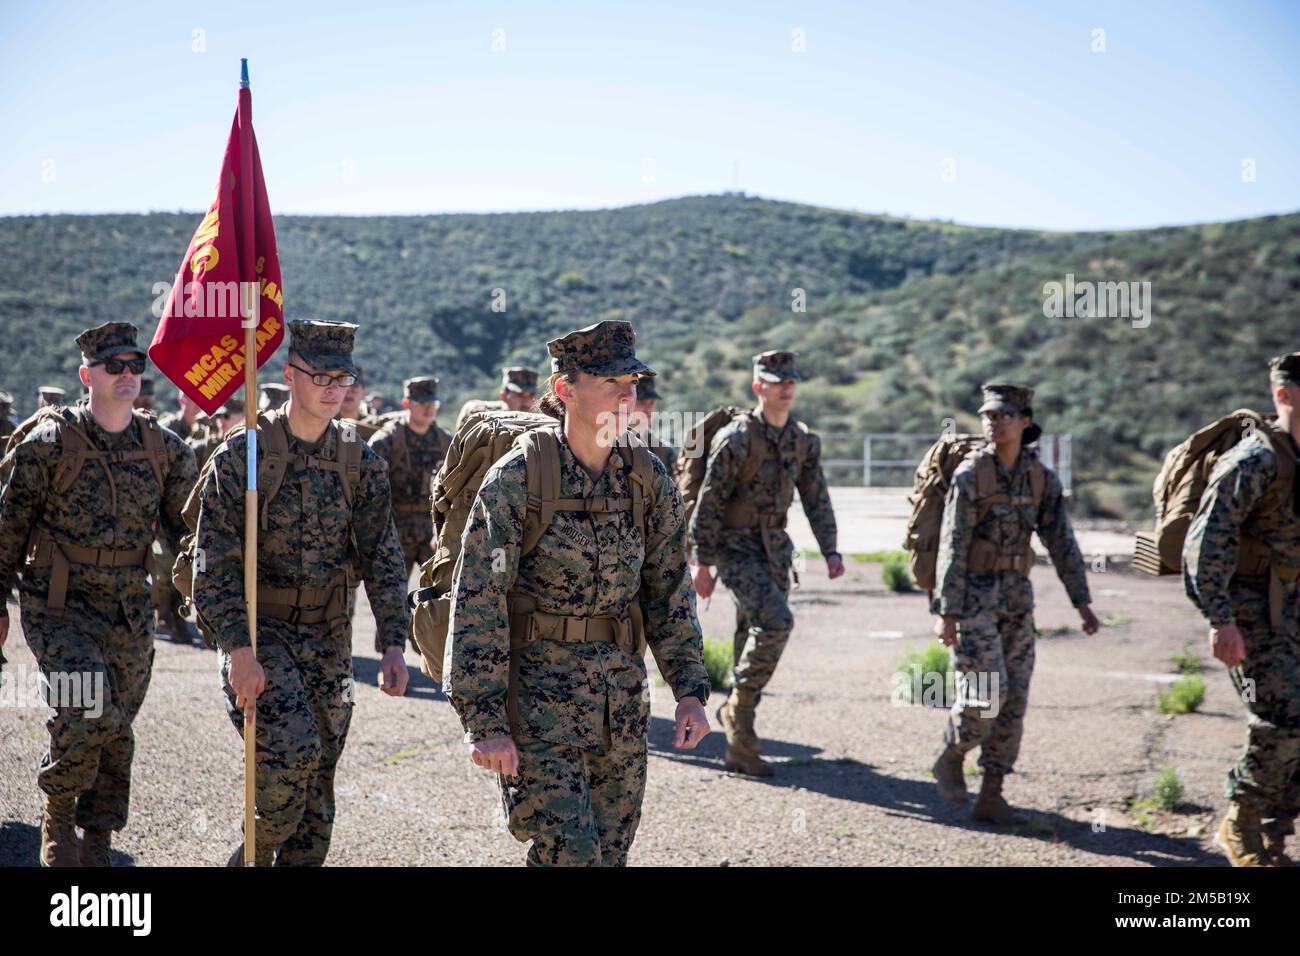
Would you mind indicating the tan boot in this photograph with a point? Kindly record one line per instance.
(991, 808)
(59, 832)
(1240, 838)
(948, 774)
(737, 718)
(1275, 848)
(97, 848)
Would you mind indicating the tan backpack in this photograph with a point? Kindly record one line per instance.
(273, 461)
(693, 460)
(482, 440)
(1183, 479)
(930, 488)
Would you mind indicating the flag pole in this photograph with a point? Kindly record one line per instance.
(250, 303)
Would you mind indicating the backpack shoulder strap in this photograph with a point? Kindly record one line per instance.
(641, 481)
(349, 453)
(154, 446)
(76, 450)
(542, 466)
(758, 447)
(272, 461)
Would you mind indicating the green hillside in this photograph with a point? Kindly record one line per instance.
(903, 319)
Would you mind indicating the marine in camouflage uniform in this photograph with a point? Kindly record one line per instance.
(311, 536)
(81, 554)
(273, 395)
(413, 457)
(1242, 500)
(352, 411)
(583, 709)
(646, 398)
(982, 585)
(49, 395)
(518, 392)
(739, 525)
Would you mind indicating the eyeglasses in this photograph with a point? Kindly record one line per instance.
(115, 366)
(325, 381)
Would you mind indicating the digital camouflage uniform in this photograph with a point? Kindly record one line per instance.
(104, 629)
(304, 712)
(995, 609)
(1266, 778)
(583, 708)
(413, 460)
(755, 562)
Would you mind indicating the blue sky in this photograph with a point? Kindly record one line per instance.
(982, 113)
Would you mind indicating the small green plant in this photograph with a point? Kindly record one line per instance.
(1056, 631)
(895, 574)
(1184, 697)
(1114, 620)
(876, 557)
(1168, 791)
(924, 676)
(1185, 662)
(719, 657)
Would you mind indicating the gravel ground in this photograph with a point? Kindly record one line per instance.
(853, 783)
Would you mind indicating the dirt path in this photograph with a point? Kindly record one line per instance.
(853, 787)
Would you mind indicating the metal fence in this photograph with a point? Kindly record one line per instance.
(889, 460)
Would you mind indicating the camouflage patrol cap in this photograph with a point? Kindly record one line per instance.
(1017, 399)
(231, 406)
(104, 341)
(51, 393)
(424, 388)
(776, 367)
(645, 389)
(518, 379)
(274, 394)
(1284, 369)
(325, 346)
(606, 348)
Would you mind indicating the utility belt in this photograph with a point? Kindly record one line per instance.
(984, 557)
(412, 508)
(742, 514)
(308, 605)
(527, 624)
(44, 552)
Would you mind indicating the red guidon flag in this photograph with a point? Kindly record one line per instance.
(230, 271)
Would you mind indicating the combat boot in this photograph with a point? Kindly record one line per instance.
(736, 716)
(59, 831)
(949, 775)
(265, 856)
(1240, 838)
(97, 847)
(991, 808)
(1275, 848)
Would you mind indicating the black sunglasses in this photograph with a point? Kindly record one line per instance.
(115, 366)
